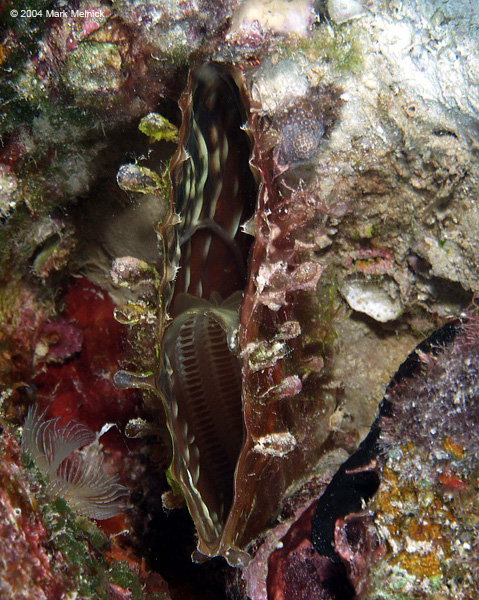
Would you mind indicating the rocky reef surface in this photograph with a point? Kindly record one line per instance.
(362, 124)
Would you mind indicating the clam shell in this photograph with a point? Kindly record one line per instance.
(241, 388)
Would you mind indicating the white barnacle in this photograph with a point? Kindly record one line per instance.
(74, 474)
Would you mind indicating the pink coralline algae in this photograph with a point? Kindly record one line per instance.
(32, 336)
(27, 567)
(297, 572)
(396, 516)
(371, 261)
(59, 341)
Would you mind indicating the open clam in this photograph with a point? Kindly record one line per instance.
(240, 364)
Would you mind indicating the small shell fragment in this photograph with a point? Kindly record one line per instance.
(371, 299)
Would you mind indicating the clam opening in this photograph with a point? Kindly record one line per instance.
(214, 193)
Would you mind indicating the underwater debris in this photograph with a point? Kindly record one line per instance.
(77, 477)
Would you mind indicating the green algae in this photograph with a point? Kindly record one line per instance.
(120, 574)
(83, 545)
(25, 32)
(338, 45)
(93, 69)
(158, 128)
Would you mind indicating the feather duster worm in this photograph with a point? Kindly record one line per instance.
(77, 477)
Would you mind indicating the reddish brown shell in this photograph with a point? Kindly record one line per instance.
(278, 398)
(284, 438)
